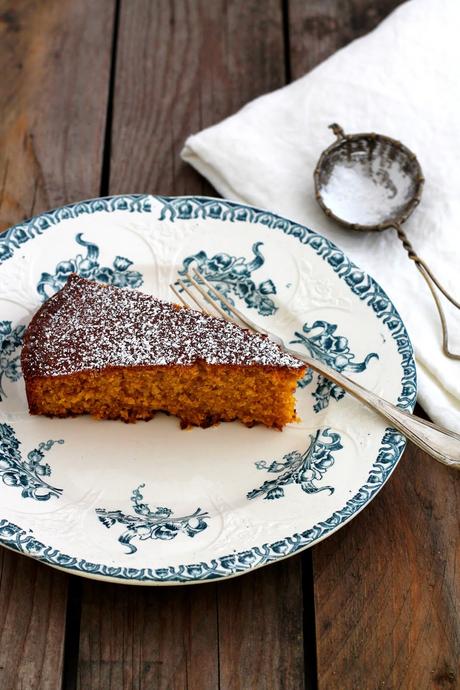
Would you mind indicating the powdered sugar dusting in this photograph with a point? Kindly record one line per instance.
(362, 191)
(88, 326)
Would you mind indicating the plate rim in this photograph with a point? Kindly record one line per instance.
(392, 444)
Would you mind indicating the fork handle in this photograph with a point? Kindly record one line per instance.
(442, 444)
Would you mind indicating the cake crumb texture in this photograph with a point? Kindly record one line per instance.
(120, 354)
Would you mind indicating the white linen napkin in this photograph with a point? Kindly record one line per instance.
(402, 80)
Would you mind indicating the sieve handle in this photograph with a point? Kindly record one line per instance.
(338, 131)
(434, 285)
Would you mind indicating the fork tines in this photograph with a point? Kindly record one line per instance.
(200, 291)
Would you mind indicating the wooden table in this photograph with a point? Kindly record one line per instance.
(97, 97)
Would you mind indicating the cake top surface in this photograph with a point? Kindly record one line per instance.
(89, 326)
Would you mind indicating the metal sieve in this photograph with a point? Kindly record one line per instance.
(370, 182)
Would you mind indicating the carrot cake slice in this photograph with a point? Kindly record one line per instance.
(117, 353)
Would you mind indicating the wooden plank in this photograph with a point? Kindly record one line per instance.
(54, 62)
(142, 637)
(53, 95)
(318, 28)
(386, 589)
(32, 623)
(260, 629)
(181, 66)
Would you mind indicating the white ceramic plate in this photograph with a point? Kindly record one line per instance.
(148, 503)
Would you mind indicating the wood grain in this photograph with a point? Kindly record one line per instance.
(54, 62)
(32, 623)
(53, 93)
(260, 629)
(318, 28)
(387, 586)
(387, 589)
(137, 638)
(182, 66)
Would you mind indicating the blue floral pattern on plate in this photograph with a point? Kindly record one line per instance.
(238, 562)
(232, 276)
(324, 344)
(27, 475)
(152, 524)
(10, 358)
(88, 266)
(303, 469)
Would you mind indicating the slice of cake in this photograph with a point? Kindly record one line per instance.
(120, 354)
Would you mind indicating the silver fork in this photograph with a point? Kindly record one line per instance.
(440, 443)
